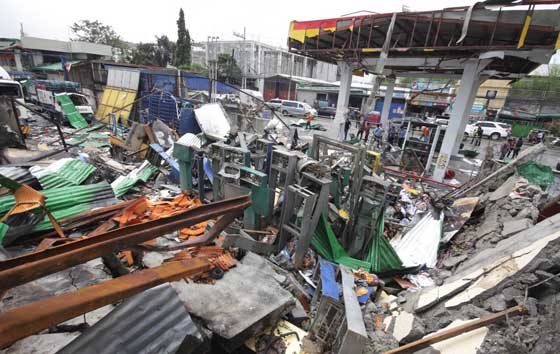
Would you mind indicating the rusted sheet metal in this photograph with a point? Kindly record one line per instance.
(37, 316)
(20, 270)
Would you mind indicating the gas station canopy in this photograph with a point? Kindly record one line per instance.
(513, 37)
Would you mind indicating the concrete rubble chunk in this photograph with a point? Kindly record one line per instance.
(241, 304)
(504, 190)
(453, 261)
(47, 343)
(515, 226)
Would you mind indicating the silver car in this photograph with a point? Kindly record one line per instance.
(295, 108)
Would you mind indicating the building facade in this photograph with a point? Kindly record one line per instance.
(259, 60)
(30, 52)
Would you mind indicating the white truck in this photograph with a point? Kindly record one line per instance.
(10, 132)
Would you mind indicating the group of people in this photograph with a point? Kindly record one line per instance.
(511, 147)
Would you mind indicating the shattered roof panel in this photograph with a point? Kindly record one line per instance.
(151, 322)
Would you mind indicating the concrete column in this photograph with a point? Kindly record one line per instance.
(343, 96)
(387, 106)
(465, 120)
(304, 71)
(459, 116)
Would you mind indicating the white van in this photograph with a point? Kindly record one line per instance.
(295, 108)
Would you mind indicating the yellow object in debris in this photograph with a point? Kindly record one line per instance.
(293, 345)
(361, 291)
(118, 101)
(343, 214)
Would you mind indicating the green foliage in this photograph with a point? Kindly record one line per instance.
(159, 53)
(96, 32)
(143, 54)
(183, 52)
(164, 51)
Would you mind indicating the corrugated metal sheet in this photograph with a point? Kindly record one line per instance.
(114, 99)
(61, 198)
(419, 246)
(20, 175)
(163, 107)
(151, 322)
(74, 117)
(123, 183)
(71, 173)
(125, 79)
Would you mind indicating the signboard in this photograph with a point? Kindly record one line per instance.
(491, 94)
(440, 86)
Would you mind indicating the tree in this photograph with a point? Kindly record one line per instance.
(228, 70)
(164, 51)
(144, 54)
(183, 52)
(96, 32)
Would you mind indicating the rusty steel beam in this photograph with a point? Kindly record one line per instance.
(20, 270)
(29, 319)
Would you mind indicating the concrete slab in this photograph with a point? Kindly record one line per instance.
(507, 267)
(505, 189)
(403, 325)
(466, 343)
(241, 304)
(515, 226)
(41, 343)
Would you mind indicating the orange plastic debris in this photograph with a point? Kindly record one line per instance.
(128, 256)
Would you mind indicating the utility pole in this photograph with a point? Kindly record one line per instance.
(243, 59)
(212, 63)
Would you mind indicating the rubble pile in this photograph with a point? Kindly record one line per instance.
(221, 231)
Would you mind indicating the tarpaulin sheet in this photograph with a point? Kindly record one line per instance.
(325, 243)
(115, 100)
(74, 117)
(381, 254)
(536, 173)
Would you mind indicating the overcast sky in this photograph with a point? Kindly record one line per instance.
(140, 21)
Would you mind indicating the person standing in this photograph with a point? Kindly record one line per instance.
(347, 124)
(517, 147)
(361, 130)
(378, 135)
(309, 119)
(504, 150)
(478, 136)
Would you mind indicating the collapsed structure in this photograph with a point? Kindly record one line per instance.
(226, 228)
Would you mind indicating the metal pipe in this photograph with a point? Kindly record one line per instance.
(19, 270)
(29, 319)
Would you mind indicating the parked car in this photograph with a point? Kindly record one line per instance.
(274, 104)
(326, 111)
(494, 130)
(295, 108)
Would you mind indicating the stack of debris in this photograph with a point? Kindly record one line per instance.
(235, 239)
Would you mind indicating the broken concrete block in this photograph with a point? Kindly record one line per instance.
(41, 343)
(496, 303)
(241, 304)
(453, 261)
(504, 190)
(515, 226)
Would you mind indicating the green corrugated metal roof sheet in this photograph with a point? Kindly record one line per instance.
(60, 198)
(72, 173)
(74, 117)
(130, 180)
